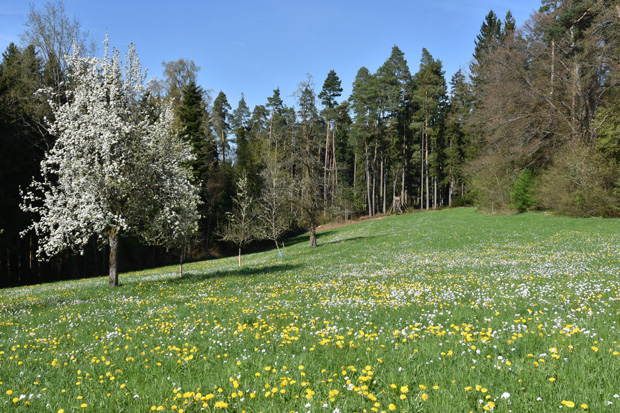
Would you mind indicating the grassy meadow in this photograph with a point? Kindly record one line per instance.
(448, 311)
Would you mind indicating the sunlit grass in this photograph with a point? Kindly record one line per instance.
(440, 311)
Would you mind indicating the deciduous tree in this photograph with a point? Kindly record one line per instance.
(113, 169)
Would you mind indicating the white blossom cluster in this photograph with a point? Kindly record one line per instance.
(114, 167)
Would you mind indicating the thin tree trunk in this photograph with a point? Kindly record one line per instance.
(381, 191)
(354, 170)
(422, 171)
(312, 232)
(426, 172)
(385, 178)
(374, 181)
(278, 247)
(552, 65)
(113, 274)
(325, 174)
(367, 167)
(334, 165)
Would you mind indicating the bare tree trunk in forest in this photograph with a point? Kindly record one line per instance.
(113, 274)
(422, 171)
(381, 192)
(451, 191)
(374, 180)
(426, 171)
(426, 150)
(334, 165)
(552, 65)
(434, 192)
(325, 174)
(394, 186)
(354, 170)
(368, 182)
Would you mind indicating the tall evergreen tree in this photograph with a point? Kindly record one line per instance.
(430, 97)
(397, 87)
(220, 116)
(331, 90)
(487, 41)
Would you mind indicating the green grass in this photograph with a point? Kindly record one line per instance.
(440, 311)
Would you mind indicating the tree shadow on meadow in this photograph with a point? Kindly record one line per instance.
(194, 276)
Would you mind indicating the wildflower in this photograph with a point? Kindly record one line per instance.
(424, 396)
(505, 395)
(584, 406)
(392, 407)
(221, 405)
(568, 403)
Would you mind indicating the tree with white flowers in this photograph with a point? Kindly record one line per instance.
(116, 168)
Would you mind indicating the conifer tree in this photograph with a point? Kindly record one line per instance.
(220, 116)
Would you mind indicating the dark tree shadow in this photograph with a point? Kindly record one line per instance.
(247, 271)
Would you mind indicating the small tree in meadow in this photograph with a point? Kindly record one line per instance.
(241, 228)
(273, 215)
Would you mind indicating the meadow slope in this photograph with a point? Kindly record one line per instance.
(446, 311)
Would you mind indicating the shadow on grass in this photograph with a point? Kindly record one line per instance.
(247, 271)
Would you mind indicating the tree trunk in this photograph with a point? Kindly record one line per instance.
(312, 232)
(381, 191)
(240, 256)
(325, 174)
(368, 183)
(113, 240)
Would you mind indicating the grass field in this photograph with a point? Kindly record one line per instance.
(449, 311)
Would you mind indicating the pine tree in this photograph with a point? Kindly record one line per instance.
(397, 87)
(331, 90)
(430, 96)
(487, 41)
(220, 116)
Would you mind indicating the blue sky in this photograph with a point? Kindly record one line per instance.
(254, 46)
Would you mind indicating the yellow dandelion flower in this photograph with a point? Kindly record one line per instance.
(392, 407)
(424, 396)
(584, 406)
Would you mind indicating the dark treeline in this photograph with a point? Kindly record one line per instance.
(534, 124)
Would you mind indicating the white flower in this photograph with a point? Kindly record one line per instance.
(505, 395)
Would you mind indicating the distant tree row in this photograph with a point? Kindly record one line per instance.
(534, 124)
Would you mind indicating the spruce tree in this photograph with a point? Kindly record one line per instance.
(220, 116)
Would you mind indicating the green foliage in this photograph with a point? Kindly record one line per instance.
(522, 191)
(490, 179)
(581, 182)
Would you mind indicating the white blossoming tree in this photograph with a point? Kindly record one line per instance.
(114, 169)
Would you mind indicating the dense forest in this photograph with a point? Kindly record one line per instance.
(534, 124)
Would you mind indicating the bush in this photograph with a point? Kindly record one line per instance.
(580, 182)
(490, 182)
(522, 192)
